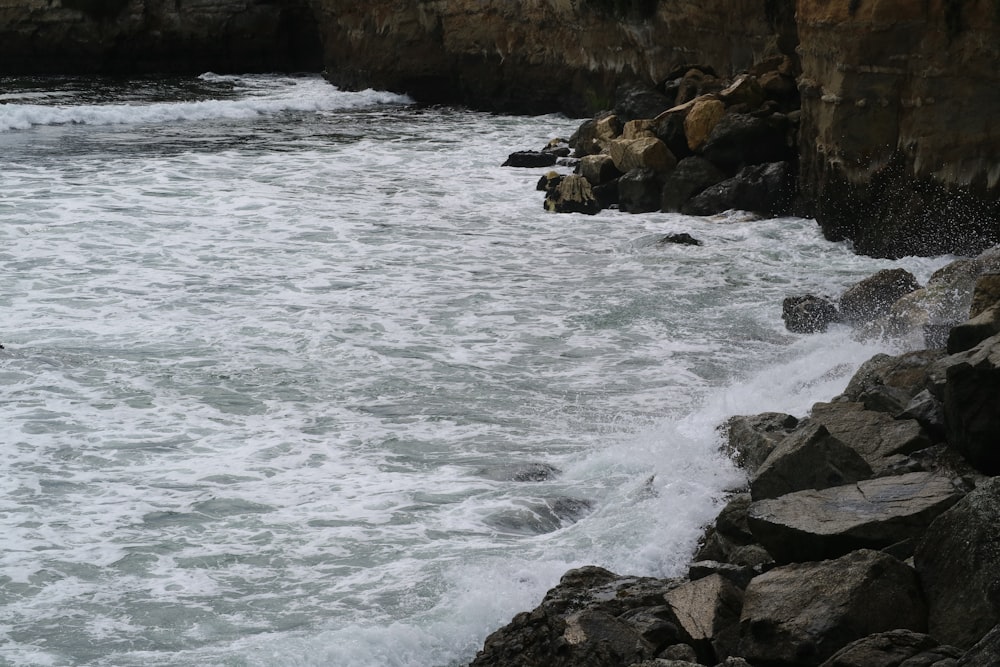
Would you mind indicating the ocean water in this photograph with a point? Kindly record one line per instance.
(297, 376)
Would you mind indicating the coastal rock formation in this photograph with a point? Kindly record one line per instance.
(814, 575)
(529, 57)
(142, 37)
(898, 143)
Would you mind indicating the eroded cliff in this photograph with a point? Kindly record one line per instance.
(541, 55)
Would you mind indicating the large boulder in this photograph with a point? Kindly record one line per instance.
(874, 514)
(708, 615)
(701, 119)
(875, 435)
(808, 313)
(810, 458)
(750, 439)
(641, 153)
(986, 652)
(765, 189)
(799, 615)
(637, 101)
(738, 140)
(572, 194)
(691, 176)
(972, 404)
(639, 191)
(598, 169)
(591, 619)
(886, 383)
(892, 649)
(871, 298)
(958, 560)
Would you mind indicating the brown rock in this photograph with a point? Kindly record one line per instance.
(703, 116)
(800, 615)
(642, 153)
(708, 614)
(986, 293)
(598, 169)
(573, 194)
(874, 435)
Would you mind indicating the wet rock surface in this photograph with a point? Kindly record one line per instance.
(865, 538)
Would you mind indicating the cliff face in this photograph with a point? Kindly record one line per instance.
(900, 142)
(156, 36)
(540, 55)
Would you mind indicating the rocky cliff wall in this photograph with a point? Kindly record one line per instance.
(541, 55)
(156, 36)
(900, 142)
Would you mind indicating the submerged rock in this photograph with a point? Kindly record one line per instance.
(808, 313)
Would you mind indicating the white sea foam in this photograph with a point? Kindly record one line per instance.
(252, 97)
(263, 381)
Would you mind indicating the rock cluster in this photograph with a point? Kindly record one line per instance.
(698, 145)
(867, 535)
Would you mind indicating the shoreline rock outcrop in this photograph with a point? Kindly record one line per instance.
(866, 536)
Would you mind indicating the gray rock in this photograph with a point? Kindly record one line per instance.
(639, 191)
(738, 140)
(751, 438)
(972, 404)
(691, 176)
(967, 335)
(679, 652)
(765, 189)
(873, 297)
(903, 375)
(530, 159)
(985, 653)
(986, 293)
(959, 565)
(800, 615)
(884, 649)
(583, 622)
(708, 614)
(874, 514)
(810, 458)
(808, 313)
(874, 435)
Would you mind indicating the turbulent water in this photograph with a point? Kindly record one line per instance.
(296, 376)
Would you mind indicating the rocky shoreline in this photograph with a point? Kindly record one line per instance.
(867, 534)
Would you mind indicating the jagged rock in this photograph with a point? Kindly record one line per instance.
(871, 298)
(986, 293)
(530, 159)
(985, 653)
(809, 458)
(765, 189)
(573, 194)
(634, 101)
(745, 89)
(891, 649)
(639, 191)
(885, 382)
(928, 411)
(751, 439)
(582, 622)
(959, 565)
(691, 176)
(799, 615)
(808, 313)
(874, 514)
(874, 435)
(591, 136)
(708, 613)
(740, 575)
(598, 169)
(972, 404)
(641, 153)
(699, 121)
(641, 128)
(967, 335)
(738, 140)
